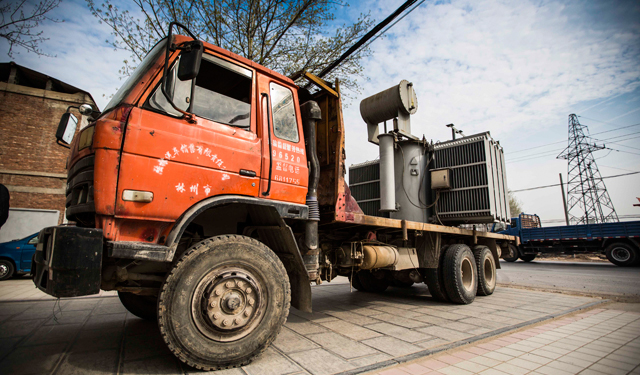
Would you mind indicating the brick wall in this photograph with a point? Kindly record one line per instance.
(32, 164)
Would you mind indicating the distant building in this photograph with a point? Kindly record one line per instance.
(32, 165)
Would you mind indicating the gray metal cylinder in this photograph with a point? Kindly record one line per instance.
(412, 188)
(386, 104)
(387, 179)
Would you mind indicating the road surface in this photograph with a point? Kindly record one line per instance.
(592, 278)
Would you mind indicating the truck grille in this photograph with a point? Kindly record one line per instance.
(80, 206)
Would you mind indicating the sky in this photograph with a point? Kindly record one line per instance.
(516, 69)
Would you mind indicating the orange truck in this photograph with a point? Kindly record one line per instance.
(210, 193)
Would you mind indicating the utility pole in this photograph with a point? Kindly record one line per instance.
(587, 198)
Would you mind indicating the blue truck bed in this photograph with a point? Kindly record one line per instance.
(588, 232)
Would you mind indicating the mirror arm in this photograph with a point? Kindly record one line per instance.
(185, 115)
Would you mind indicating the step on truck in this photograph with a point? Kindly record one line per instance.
(619, 242)
(210, 194)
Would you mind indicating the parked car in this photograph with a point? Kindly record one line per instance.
(15, 256)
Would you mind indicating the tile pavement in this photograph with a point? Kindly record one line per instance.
(347, 332)
(594, 342)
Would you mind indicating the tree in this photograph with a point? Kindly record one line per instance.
(288, 36)
(19, 22)
(515, 206)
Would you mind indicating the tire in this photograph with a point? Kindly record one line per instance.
(621, 254)
(370, 283)
(486, 266)
(433, 279)
(144, 307)
(528, 257)
(401, 284)
(224, 302)
(513, 254)
(460, 274)
(7, 269)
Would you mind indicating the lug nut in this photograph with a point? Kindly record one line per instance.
(229, 284)
(225, 322)
(240, 283)
(248, 290)
(216, 316)
(236, 321)
(213, 304)
(218, 292)
(251, 301)
(246, 313)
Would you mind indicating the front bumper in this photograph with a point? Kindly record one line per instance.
(68, 261)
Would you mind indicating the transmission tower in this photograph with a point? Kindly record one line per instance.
(587, 199)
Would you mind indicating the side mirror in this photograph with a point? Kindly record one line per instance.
(67, 128)
(190, 60)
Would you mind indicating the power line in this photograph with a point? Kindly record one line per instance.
(548, 186)
(555, 143)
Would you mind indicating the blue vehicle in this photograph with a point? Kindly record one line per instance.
(15, 256)
(620, 242)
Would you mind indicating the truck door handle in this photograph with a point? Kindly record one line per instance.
(248, 173)
(264, 94)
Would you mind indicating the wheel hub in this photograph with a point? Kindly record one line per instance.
(620, 254)
(227, 304)
(4, 270)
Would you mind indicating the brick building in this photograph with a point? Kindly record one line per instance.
(32, 165)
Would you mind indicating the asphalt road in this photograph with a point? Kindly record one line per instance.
(603, 279)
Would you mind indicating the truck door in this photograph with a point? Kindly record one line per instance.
(183, 161)
(280, 121)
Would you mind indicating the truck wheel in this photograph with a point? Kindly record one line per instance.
(460, 274)
(145, 307)
(224, 302)
(528, 257)
(370, 283)
(621, 254)
(512, 256)
(6, 269)
(486, 270)
(433, 279)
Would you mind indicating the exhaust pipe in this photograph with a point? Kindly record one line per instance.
(310, 115)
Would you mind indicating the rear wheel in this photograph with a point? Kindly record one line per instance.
(355, 282)
(145, 307)
(621, 254)
(224, 302)
(486, 270)
(434, 280)
(528, 257)
(512, 256)
(370, 283)
(460, 274)
(6, 269)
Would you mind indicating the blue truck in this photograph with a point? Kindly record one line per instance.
(620, 242)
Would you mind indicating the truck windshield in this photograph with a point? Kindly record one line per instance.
(134, 78)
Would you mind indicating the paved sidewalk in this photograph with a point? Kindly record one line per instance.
(348, 331)
(594, 342)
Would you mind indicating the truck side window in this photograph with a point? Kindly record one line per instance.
(285, 125)
(223, 92)
(179, 91)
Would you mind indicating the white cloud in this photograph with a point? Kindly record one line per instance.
(514, 68)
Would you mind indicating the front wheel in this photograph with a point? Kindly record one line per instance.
(145, 307)
(621, 254)
(6, 269)
(224, 302)
(512, 256)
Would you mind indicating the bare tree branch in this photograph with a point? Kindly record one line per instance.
(20, 20)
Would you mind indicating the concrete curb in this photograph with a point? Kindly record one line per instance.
(440, 349)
